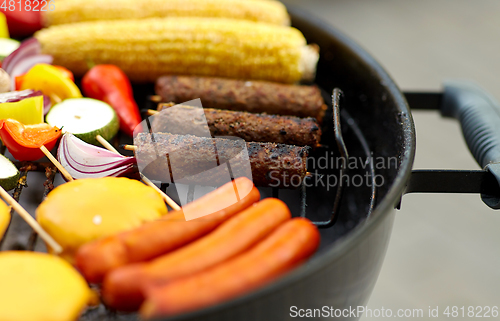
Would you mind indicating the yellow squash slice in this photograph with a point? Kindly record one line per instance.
(88, 209)
(40, 287)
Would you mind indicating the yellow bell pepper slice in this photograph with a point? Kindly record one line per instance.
(28, 111)
(51, 82)
(4, 30)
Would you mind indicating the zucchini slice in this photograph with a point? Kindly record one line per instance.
(9, 174)
(85, 118)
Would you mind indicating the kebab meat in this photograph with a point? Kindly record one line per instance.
(251, 96)
(251, 127)
(196, 160)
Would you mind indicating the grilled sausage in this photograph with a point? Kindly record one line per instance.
(193, 160)
(153, 239)
(250, 96)
(287, 247)
(251, 127)
(122, 288)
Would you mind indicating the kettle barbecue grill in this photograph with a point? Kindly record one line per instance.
(368, 118)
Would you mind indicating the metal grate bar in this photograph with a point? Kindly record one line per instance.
(339, 139)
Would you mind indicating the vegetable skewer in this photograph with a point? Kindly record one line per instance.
(31, 221)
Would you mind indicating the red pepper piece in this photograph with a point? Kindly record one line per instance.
(110, 84)
(22, 23)
(24, 141)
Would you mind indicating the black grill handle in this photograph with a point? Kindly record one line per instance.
(479, 115)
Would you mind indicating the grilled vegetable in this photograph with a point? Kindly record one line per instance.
(83, 160)
(7, 46)
(283, 250)
(72, 11)
(251, 127)
(65, 72)
(37, 286)
(4, 29)
(52, 82)
(9, 174)
(27, 49)
(85, 118)
(192, 160)
(24, 141)
(24, 106)
(109, 84)
(96, 259)
(84, 210)
(4, 81)
(199, 46)
(122, 287)
(251, 96)
(4, 211)
(23, 59)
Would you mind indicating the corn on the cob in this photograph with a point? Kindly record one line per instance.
(71, 11)
(146, 49)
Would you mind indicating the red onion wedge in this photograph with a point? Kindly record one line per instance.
(24, 65)
(30, 47)
(24, 58)
(47, 104)
(14, 96)
(83, 160)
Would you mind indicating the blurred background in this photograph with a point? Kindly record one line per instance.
(444, 249)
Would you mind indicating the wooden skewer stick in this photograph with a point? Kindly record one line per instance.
(54, 161)
(106, 144)
(152, 112)
(155, 98)
(31, 221)
(161, 106)
(129, 147)
(165, 197)
(55, 98)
